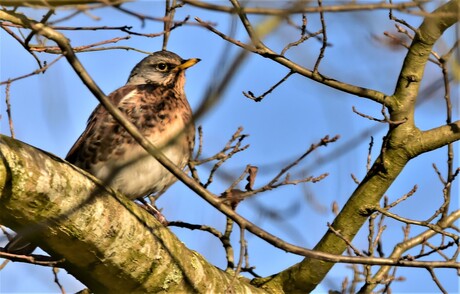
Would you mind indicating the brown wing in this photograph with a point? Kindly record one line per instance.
(97, 117)
(154, 109)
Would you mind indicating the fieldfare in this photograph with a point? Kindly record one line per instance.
(154, 100)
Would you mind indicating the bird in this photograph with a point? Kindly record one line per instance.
(154, 100)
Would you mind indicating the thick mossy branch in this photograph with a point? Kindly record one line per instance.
(437, 137)
(108, 242)
(402, 143)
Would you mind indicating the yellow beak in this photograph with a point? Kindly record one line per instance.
(188, 63)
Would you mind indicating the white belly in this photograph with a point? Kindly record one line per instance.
(137, 173)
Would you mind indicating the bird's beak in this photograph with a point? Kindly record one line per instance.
(188, 63)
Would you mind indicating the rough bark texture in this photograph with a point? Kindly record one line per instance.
(403, 142)
(109, 243)
(113, 246)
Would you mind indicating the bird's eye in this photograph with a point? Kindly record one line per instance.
(162, 66)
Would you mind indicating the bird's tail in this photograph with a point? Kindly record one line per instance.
(20, 245)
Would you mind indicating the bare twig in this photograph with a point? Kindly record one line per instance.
(56, 279)
(223, 237)
(232, 147)
(65, 47)
(251, 271)
(324, 33)
(355, 179)
(304, 36)
(43, 21)
(303, 32)
(302, 39)
(247, 25)
(229, 253)
(369, 154)
(168, 25)
(437, 249)
(72, 14)
(266, 52)
(126, 29)
(378, 239)
(402, 198)
(398, 20)
(4, 264)
(450, 148)
(251, 96)
(169, 16)
(140, 16)
(370, 248)
(57, 50)
(435, 279)
(8, 108)
(224, 36)
(243, 252)
(384, 120)
(324, 141)
(276, 180)
(407, 244)
(337, 233)
(35, 72)
(32, 259)
(20, 41)
(200, 143)
(303, 8)
(433, 227)
(189, 226)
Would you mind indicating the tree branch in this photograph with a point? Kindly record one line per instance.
(408, 84)
(437, 137)
(404, 246)
(69, 213)
(57, 3)
(371, 186)
(266, 52)
(306, 275)
(306, 8)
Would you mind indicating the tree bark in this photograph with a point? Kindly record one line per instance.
(108, 242)
(402, 143)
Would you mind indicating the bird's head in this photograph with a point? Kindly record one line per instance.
(162, 68)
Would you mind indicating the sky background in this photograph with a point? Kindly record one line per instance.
(50, 112)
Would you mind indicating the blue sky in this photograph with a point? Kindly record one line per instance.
(50, 112)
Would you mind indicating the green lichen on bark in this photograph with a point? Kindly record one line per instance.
(109, 243)
(402, 143)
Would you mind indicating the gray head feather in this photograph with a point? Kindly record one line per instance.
(156, 69)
